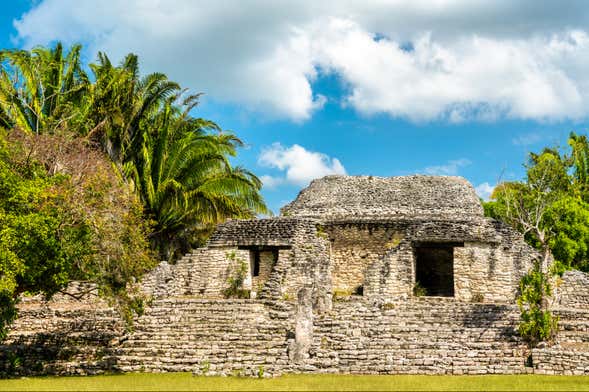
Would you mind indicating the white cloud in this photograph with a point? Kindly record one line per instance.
(300, 165)
(449, 169)
(271, 182)
(527, 139)
(484, 190)
(450, 60)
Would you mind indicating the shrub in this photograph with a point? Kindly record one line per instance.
(66, 215)
(419, 290)
(537, 323)
(236, 280)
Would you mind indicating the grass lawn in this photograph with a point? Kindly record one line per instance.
(185, 381)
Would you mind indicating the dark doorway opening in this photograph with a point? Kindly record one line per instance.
(256, 266)
(262, 259)
(434, 268)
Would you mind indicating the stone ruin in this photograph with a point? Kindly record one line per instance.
(357, 275)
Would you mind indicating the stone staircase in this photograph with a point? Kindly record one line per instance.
(573, 327)
(422, 335)
(431, 336)
(208, 336)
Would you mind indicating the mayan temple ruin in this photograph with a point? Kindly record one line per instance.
(399, 275)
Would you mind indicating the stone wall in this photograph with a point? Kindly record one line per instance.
(489, 258)
(204, 272)
(248, 337)
(210, 337)
(353, 249)
(303, 261)
(573, 290)
(61, 337)
(560, 361)
(305, 265)
(423, 336)
(278, 231)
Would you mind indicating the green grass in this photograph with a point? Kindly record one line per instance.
(185, 381)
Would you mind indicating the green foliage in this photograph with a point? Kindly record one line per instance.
(341, 294)
(235, 281)
(205, 367)
(178, 164)
(551, 206)
(70, 225)
(42, 90)
(419, 290)
(320, 232)
(568, 218)
(537, 323)
(185, 181)
(67, 213)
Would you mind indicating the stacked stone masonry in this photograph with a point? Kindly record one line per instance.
(332, 288)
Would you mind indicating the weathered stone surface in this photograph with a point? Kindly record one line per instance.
(333, 197)
(230, 337)
(573, 290)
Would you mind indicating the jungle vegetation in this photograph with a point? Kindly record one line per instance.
(551, 208)
(551, 205)
(104, 171)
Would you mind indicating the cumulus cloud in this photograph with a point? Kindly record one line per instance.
(420, 60)
(484, 190)
(449, 169)
(527, 139)
(300, 165)
(271, 182)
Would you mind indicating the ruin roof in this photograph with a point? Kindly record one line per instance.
(278, 231)
(416, 196)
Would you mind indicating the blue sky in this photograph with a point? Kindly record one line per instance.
(363, 88)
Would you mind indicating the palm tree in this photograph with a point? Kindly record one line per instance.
(121, 100)
(178, 164)
(185, 180)
(42, 90)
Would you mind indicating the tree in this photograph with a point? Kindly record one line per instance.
(185, 180)
(73, 221)
(537, 323)
(144, 125)
(42, 90)
(579, 160)
(523, 205)
(121, 102)
(568, 219)
(86, 163)
(550, 207)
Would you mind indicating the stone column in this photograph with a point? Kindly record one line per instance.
(299, 351)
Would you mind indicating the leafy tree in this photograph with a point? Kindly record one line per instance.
(121, 102)
(523, 205)
(568, 219)
(579, 160)
(65, 215)
(550, 207)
